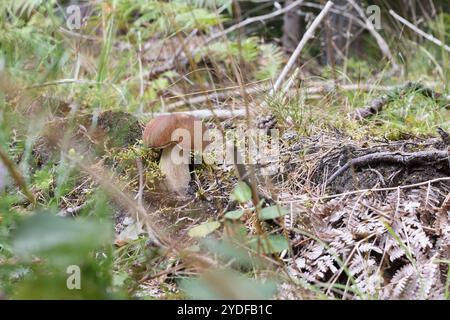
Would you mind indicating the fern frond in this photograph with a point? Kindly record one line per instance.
(270, 62)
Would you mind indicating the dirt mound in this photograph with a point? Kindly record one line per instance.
(89, 132)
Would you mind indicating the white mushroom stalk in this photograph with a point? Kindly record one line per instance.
(175, 169)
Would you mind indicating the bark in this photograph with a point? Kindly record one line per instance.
(338, 27)
(291, 28)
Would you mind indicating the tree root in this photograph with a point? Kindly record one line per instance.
(414, 158)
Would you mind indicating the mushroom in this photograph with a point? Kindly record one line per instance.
(176, 135)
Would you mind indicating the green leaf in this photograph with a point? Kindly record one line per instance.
(234, 215)
(272, 212)
(60, 239)
(270, 244)
(227, 284)
(242, 192)
(231, 249)
(204, 229)
(119, 279)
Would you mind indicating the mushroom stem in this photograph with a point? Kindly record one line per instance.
(175, 169)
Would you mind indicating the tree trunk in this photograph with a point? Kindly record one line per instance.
(335, 40)
(291, 28)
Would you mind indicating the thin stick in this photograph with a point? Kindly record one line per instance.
(200, 97)
(380, 41)
(407, 186)
(213, 96)
(79, 81)
(291, 80)
(141, 182)
(17, 176)
(420, 32)
(205, 113)
(141, 74)
(308, 35)
(254, 19)
(116, 190)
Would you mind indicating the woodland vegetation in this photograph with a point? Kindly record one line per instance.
(355, 203)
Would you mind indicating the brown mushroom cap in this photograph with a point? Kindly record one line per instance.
(158, 132)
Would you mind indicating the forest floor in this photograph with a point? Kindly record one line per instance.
(351, 199)
(364, 214)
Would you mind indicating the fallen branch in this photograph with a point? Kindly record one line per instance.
(254, 19)
(420, 32)
(376, 105)
(314, 92)
(213, 96)
(348, 193)
(308, 35)
(205, 114)
(420, 157)
(445, 137)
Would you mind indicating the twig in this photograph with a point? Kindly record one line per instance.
(380, 41)
(308, 35)
(420, 157)
(377, 104)
(79, 35)
(200, 97)
(113, 187)
(72, 211)
(420, 32)
(80, 81)
(291, 80)
(212, 96)
(205, 114)
(444, 136)
(17, 176)
(141, 75)
(341, 10)
(254, 19)
(141, 182)
(348, 193)
(374, 107)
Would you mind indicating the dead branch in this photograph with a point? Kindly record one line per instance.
(314, 92)
(308, 35)
(353, 192)
(376, 105)
(72, 211)
(205, 114)
(380, 41)
(444, 136)
(418, 31)
(414, 158)
(213, 96)
(254, 19)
